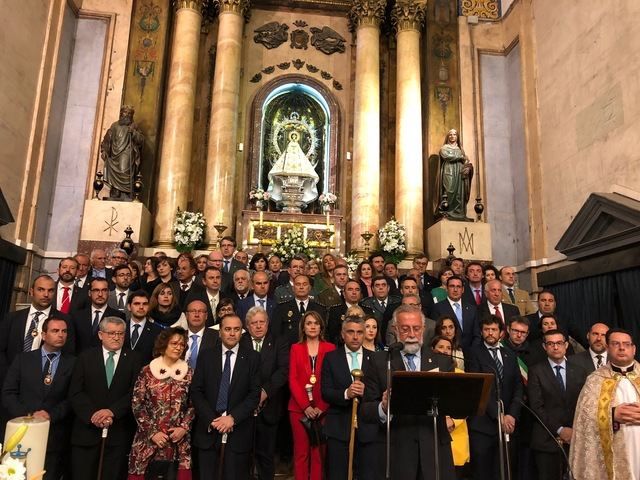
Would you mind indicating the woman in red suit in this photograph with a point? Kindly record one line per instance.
(305, 365)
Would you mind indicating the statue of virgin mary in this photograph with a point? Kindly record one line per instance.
(293, 163)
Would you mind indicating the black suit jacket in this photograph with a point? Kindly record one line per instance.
(383, 317)
(554, 406)
(480, 360)
(471, 324)
(469, 295)
(89, 393)
(274, 374)
(201, 294)
(286, 318)
(335, 316)
(83, 322)
(12, 331)
(583, 359)
(24, 392)
(510, 311)
(196, 286)
(79, 298)
(246, 304)
(411, 435)
(335, 379)
(244, 395)
(146, 341)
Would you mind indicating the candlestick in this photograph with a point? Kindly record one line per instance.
(327, 218)
(261, 217)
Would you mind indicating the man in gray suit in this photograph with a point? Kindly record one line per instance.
(596, 356)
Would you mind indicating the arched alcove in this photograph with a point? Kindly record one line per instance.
(289, 99)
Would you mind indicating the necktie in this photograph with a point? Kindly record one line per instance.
(33, 331)
(110, 368)
(258, 345)
(185, 287)
(383, 304)
(214, 304)
(135, 336)
(559, 376)
(302, 309)
(342, 294)
(410, 361)
(511, 295)
(478, 296)
(121, 301)
(96, 322)
(599, 358)
(354, 360)
(241, 296)
(47, 364)
(498, 362)
(458, 311)
(226, 266)
(193, 356)
(496, 312)
(225, 381)
(66, 300)
(261, 302)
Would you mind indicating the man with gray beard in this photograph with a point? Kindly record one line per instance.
(412, 447)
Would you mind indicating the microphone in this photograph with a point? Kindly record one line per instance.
(394, 346)
(555, 439)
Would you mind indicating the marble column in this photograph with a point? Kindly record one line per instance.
(407, 18)
(177, 131)
(365, 18)
(221, 151)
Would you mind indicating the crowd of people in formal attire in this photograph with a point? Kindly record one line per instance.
(229, 367)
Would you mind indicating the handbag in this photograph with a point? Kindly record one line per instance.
(314, 430)
(162, 469)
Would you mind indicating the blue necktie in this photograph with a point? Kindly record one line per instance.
(225, 381)
(410, 361)
(27, 344)
(559, 376)
(458, 311)
(193, 356)
(261, 302)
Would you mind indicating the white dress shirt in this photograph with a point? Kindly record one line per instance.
(38, 338)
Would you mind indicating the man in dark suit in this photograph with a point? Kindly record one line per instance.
(492, 303)
(258, 298)
(119, 296)
(141, 333)
(100, 395)
(278, 275)
(241, 285)
(337, 313)
(229, 263)
(286, 316)
(465, 312)
(547, 306)
(99, 265)
(334, 295)
(225, 392)
(426, 282)
(339, 389)
(274, 372)
(596, 355)
(37, 384)
(284, 292)
(489, 357)
(377, 261)
(554, 387)
(69, 297)
(186, 274)
(381, 303)
(200, 337)
(82, 273)
(474, 294)
(20, 331)
(87, 321)
(211, 295)
(412, 447)
(215, 260)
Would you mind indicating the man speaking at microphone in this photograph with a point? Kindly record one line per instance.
(412, 447)
(339, 389)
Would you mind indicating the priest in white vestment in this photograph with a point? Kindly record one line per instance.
(606, 436)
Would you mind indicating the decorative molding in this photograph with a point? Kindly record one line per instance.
(327, 40)
(487, 9)
(241, 7)
(196, 5)
(366, 13)
(297, 63)
(407, 15)
(271, 35)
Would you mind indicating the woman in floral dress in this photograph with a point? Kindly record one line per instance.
(162, 408)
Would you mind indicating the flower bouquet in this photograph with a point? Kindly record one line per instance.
(393, 240)
(291, 244)
(327, 200)
(353, 261)
(188, 230)
(259, 196)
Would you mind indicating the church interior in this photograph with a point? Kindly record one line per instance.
(353, 98)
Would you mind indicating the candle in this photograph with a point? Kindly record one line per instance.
(260, 217)
(220, 216)
(35, 439)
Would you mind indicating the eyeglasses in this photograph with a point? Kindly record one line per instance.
(555, 344)
(518, 332)
(114, 334)
(405, 329)
(123, 275)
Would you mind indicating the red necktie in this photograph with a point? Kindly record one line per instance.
(498, 314)
(66, 300)
(478, 297)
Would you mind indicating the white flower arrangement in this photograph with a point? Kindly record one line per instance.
(258, 195)
(188, 230)
(353, 261)
(291, 244)
(12, 469)
(393, 238)
(327, 199)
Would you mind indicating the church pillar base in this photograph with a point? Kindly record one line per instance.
(472, 240)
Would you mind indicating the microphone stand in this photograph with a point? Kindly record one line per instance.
(554, 437)
(390, 349)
